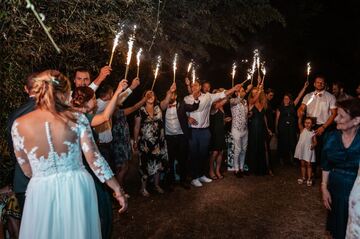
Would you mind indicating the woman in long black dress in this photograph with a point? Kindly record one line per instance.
(256, 152)
(286, 125)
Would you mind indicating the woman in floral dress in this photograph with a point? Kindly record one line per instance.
(149, 138)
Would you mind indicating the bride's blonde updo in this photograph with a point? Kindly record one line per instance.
(52, 91)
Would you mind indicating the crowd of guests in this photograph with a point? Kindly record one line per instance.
(68, 143)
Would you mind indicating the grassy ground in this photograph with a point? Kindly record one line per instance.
(251, 207)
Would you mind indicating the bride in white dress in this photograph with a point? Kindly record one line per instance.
(61, 199)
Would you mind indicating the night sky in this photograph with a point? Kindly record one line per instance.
(320, 31)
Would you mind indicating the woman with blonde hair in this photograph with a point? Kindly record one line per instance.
(61, 199)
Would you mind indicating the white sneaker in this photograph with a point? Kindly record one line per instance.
(196, 183)
(205, 179)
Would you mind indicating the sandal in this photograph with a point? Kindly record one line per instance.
(309, 183)
(301, 180)
(214, 177)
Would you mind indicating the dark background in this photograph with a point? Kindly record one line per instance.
(322, 32)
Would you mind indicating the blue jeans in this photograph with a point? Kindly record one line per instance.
(199, 151)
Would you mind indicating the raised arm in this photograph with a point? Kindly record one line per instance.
(123, 96)
(104, 72)
(110, 108)
(137, 106)
(232, 90)
(21, 156)
(218, 104)
(97, 162)
(165, 102)
(301, 93)
(188, 85)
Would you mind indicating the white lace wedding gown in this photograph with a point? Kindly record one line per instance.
(61, 199)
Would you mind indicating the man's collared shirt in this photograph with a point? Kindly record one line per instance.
(319, 105)
(202, 114)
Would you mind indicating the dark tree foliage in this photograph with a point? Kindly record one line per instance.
(84, 31)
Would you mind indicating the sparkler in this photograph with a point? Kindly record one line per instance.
(156, 72)
(263, 70)
(233, 73)
(116, 42)
(189, 66)
(138, 55)
(174, 65)
(308, 70)
(193, 75)
(129, 54)
(255, 60)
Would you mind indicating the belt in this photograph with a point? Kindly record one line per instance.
(199, 128)
(338, 170)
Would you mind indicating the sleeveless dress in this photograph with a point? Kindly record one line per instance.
(217, 129)
(61, 198)
(255, 154)
(303, 148)
(287, 129)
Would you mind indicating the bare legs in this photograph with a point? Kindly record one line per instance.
(214, 172)
(305, 170)
(144, 191)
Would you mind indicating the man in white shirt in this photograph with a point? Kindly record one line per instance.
(320, 105)
(177, 134)
(200, 134)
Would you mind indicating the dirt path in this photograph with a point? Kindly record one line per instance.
(251, 207)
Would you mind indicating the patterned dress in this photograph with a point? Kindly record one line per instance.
(152, 144)
(121, 138)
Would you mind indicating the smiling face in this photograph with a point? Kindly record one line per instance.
(319, 84)
(344, 121)
(286, 100)
(206, 87)
(151, 98)
(308, 124)
(195, 87)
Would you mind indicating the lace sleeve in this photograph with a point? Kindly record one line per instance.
(19, 150)
(95, 160)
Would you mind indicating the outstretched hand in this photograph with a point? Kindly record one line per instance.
(121, 198)
(122, 86)
(135, 83)
(172, 88)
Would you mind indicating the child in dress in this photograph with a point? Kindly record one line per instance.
(305, 150)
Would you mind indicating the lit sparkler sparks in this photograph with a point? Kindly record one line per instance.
(233, 73)
(138, 56)
(175, 65)
(156, 72)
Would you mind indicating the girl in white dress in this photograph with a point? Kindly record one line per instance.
(305, 150)
(61, 199)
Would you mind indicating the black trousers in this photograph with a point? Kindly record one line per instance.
(177, 146)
